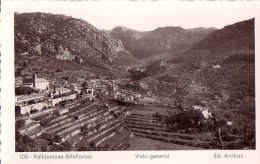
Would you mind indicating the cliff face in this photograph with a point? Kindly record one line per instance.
(66, 38)
(161, 40)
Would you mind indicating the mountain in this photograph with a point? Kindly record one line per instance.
(238, 35)
(218, 72)
(64, 39)
(161, 40)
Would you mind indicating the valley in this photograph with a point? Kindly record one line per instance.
(82, 89)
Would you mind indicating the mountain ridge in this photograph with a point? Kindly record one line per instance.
(237, 34)
(160, 40)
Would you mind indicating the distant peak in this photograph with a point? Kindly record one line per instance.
(123, 28)
(203, 28)
(169, 29)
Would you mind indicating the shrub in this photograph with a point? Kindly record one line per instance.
(46, 136)
(19, 124)
(65, 77)
(23, 143)
(44, 122)
(34, 111)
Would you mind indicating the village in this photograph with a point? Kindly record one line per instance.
(40, 94)
(102, 114)
(75, 113)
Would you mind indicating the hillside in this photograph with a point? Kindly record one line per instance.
(161, 40)
(66, 40)
(237, 35)
(219, 73)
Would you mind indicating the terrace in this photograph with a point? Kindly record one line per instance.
(74, 140)
(117, 140)
(28, 127)
(34, 132)
(89, 121)
(147, 127)
(96, 134)
(146, 123)
(107, 135)
(202, 144)
(68, 122)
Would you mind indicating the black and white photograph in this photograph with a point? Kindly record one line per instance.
(130, 81)
(121, 81)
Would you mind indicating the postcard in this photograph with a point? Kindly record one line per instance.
(129, 81)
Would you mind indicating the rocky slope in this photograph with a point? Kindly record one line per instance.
(64, 38)
(161, 40)
(238, 35)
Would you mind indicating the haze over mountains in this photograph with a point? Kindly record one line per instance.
(161, 40)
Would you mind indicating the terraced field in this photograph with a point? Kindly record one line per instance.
(117, 140)
(146, 125)
(110, 129)
(100, 125)
(141, 143)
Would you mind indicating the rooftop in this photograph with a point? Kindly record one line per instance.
(29, 97)
(38, 80)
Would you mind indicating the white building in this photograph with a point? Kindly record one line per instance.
(204, 111)
(40, 83)
(216, 66)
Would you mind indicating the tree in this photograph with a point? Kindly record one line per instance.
(65, 146)
(97, 76)
(34, 111)
(86, 148)
(18, 72)
(56, 138)
(23, 143)
(93, 146)
(45, 148)
(85, 129)
(24, 65)
(19, 124)
(98, 126)
(44, 122)
(65, 77)
(46, 136)
(62, 103)
(85, 85)
(54, 90)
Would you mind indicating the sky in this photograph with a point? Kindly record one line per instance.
(149, 15)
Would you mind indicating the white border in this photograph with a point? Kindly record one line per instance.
(8, 154)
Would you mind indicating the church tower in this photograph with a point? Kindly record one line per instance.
(34, 78)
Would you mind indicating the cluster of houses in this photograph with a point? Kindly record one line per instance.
(44, 95)
(50, 94)
(27, 104)
(67, 121)
(126, 95)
